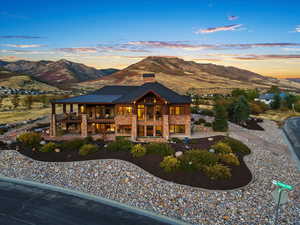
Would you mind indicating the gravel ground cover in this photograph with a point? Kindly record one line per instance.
(129, 184)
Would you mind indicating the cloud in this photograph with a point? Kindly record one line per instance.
(121, 48)
(78, 50)
(166, 44)
(298, 29)
(23, 46)
(231, 18)
(207, 59)
(25, 52)
(19, 37)
(266, 57)
(216, 29)
(291, 49)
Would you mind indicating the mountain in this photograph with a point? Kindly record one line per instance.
(59, 73)
(294, 79)
(181, 75)
(18, 81)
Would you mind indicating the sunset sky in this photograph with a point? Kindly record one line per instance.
(261, 36)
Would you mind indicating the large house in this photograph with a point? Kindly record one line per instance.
(150, 112)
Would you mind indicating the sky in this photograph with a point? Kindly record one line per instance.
(261, 36)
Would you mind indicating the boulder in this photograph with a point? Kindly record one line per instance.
(210, 139)
(178, 154)
(43, 142)
(57, 150)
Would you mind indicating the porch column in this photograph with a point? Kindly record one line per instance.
(64, 108)
(71, 108)
(154, 131)
(53, 121)
(166, 127)
(134, 127)
(84, 124)
(188, 125)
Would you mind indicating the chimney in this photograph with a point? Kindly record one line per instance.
(149, 77)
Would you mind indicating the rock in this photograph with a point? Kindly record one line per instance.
(43, 142)
(187, 147)
(210, 139)
(178, 154)
(33, 149)
(57, 150)
(105, 146)
(211, 150)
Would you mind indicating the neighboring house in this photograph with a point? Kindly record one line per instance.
(150, 112)
(267, 98)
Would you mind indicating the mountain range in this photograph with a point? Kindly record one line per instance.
(173, 72)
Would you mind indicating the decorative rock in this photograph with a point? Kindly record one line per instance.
(8, 142)
(178, 154)
(43, 142)
(187, 147)
(33, 149)
(57, 150)
(210, 139)
(105, 146)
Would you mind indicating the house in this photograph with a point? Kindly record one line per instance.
(267, 98)
(150, 112)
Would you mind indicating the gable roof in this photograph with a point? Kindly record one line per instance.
(128, 94)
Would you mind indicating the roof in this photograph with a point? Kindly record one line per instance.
(128, 94)
(89, 99)
(270, 96)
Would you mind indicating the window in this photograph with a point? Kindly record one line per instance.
(125, 110)
(177, 129)
(158, 112)
(141, 131)
(124, 129)
(176, 110)
(158, 130)
(109, 128)
(141, 112)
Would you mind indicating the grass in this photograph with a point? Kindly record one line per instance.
(21, 113)
(277, 115)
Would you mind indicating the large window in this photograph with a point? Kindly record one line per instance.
(109, 128)
(177, 129)
(141, 112)
(141, 131)
(158, 131)
(158, 112)
(124, 110)
(176, 110)
(124, 129)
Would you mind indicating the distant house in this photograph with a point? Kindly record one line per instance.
(267, 98)
(150, 112)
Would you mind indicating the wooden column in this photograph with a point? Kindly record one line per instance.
(53, 108)
(84, 124)
(133, 127)
(53, 125)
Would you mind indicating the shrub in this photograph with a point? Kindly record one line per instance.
(217, 172)
(170, 163)
(176, 140)
(207, 112)
(87, 149)
(222, 147)
(258, 107)
(207, 124)
(120, 144)
(30, 139)
(197, 159)
(200, 121)
(230, 159)
(72, 145)
(237, 146)
(162, 149)
(138, 150)
(49, 147)
(88, 140)
(297, 107)
(220, 123)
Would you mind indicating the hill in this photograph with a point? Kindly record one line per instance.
(59, 73)
(13, 80)
(181, 75)
(294, 79)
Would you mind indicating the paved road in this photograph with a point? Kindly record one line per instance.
(27, 205)
(292, 131)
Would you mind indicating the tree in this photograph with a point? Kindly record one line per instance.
(1, 101)
(15, 101)
(289, 100)
(238, 92)
(28, 101)
(275, 104)
(220, 123)
(274, 89)
(252, 94)
(239, 110)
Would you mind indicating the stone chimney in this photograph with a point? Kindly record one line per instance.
(149, 77)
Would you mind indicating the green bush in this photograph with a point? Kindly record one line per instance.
(49, 147)
(220, 123)
(217, 172)
(120, 144)
(237, 146)
(162, 149)
(176, 140)
(222, 147)
(170, 163)
(207, 124)
(200, 121)
(30, 139)
(197, 159)
(297, 107)
(207, 112)
(87, 149)
(72, 145)
(230, 159)
(138, 150)
(88, 140)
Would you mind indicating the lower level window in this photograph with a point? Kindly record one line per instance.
(177, 129)
(124, 129)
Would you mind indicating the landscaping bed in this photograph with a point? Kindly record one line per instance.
(152, 162)
(252, 124)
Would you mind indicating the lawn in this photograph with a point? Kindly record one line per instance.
(277, 115)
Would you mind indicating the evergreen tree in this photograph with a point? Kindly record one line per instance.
(275, 104)
(28, 101)
(220, 123)
(239, 110)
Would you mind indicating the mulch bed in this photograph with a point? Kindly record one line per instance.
(241, 175)
(252, 124)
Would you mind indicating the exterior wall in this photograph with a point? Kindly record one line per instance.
(84, 125)
(166, 127)
(53, 125)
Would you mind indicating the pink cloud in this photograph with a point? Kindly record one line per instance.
(217, 29)
(231, 18)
